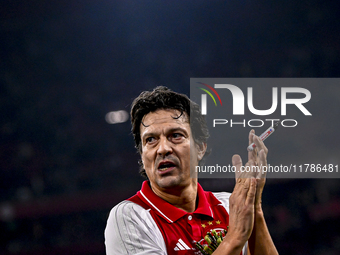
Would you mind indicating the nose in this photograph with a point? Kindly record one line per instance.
(164, 147)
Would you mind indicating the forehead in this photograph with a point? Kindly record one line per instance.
(164, 118)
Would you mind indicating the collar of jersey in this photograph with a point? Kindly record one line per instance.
(171, 213)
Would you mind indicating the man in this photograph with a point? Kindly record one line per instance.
(172, 214)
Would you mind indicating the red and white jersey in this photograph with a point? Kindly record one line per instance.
(147, 224)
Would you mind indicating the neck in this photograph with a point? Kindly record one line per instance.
(181, 197)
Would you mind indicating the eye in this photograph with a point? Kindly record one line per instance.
(177, 136)
(150, 139)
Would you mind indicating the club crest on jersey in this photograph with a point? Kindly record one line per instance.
(202, 244)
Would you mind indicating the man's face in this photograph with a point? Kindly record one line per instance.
(166, 150)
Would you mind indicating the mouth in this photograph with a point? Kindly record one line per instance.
(166, 166)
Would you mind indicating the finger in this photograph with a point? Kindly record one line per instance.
(241, 188)
(259, 144)
(250, 137)
(252, 154)
(245, 172)
(249, 169)
(262, 163)
(237, 163)
(250, 199)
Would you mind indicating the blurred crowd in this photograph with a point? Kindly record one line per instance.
(63, 66)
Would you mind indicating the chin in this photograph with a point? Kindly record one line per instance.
(170, 182)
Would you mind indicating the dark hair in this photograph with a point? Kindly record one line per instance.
(163, 98)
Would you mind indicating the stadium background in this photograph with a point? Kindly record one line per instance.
(65, 64)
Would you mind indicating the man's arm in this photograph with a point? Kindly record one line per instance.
(260, 241)
(246, 219)
(131, 230)
(241, 217)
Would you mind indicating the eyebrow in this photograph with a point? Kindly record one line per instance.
(171, 130)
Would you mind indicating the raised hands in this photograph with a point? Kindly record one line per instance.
(257, 162)
(245, 201)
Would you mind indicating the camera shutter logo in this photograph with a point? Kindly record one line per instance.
(204, 97)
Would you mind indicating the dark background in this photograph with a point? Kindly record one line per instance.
(65, 64)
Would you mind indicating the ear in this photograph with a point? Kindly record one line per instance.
(201, 149)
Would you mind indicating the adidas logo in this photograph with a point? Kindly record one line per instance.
(181, 246)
